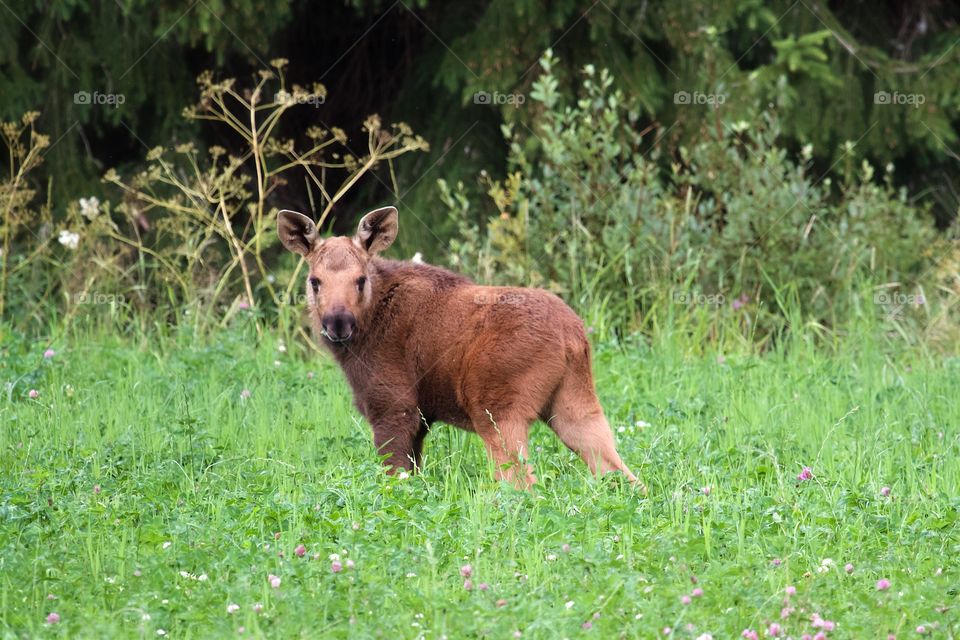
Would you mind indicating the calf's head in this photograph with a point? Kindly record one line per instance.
(340, 282)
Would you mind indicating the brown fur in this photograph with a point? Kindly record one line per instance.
(428, 345)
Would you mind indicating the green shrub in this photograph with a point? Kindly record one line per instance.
(737, 230)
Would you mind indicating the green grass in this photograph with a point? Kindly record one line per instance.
(159, 427)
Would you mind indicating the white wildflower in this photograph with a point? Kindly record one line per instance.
(89, 207)
(69, 239)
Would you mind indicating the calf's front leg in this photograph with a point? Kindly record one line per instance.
(398, 437)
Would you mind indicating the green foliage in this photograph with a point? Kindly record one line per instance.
(745, 157)
(586, 211)
(821, 64)
(823, 79)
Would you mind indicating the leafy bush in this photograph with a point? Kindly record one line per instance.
(736, 229)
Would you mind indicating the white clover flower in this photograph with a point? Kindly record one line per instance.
(417, 258)
(69, 239)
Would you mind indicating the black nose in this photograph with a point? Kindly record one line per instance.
(339, 325)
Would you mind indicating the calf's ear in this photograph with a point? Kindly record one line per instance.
(377, 230)
(297, 232)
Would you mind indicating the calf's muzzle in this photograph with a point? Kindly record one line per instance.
(338, 325)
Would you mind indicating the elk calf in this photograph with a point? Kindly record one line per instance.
(420, 344)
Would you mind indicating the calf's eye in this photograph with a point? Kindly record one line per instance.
(361, 282)
(315, 284)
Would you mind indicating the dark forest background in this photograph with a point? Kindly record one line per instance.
(803, 77)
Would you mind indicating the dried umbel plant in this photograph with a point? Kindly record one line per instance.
(218, 202)
(24, 147)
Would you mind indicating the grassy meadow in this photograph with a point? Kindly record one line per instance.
(193, 487)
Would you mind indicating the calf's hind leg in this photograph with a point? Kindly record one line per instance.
(577, 419)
